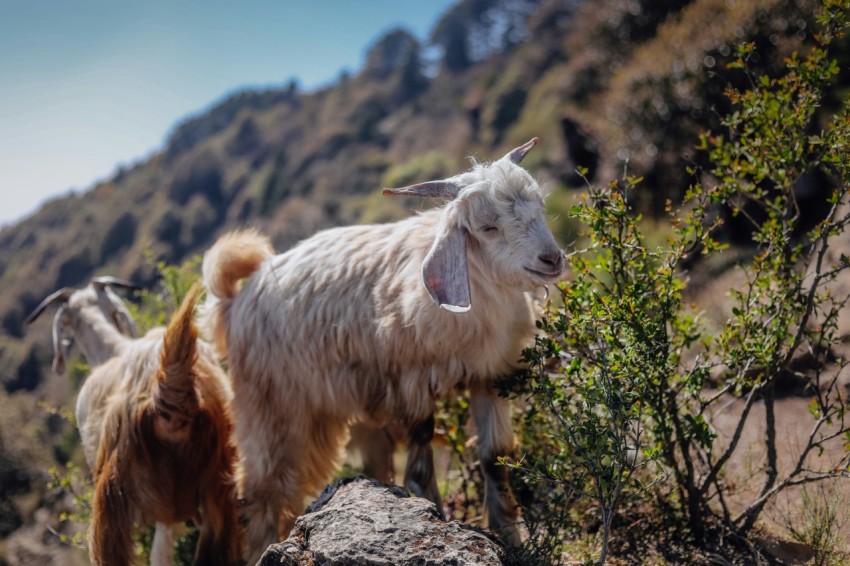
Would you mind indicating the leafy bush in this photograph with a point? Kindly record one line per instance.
(155, 307)
(624, 377)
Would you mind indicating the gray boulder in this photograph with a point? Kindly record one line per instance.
(362, 522)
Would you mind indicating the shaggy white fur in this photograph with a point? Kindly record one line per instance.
(345, 327)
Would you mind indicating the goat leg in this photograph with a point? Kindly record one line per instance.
(419, 475)
(375, 446)
(492, 419)
(162, 549)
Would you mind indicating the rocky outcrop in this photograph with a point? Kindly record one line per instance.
(362, 522)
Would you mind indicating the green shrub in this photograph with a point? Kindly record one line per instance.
(74, 480)
(155, 306)
(624, 376)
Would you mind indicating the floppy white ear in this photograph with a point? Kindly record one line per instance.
(445, 271)
(61, 323)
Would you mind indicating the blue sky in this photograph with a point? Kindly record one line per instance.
(87, 85)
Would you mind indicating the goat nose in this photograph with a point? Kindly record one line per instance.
(551, 258)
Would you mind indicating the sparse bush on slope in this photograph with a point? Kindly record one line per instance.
(625, 378)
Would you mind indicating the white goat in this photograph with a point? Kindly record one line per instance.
(344, 328)
(94, 316)
(155, 426)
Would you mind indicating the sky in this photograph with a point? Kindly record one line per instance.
(88, 85)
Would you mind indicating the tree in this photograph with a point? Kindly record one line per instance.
(473, 30)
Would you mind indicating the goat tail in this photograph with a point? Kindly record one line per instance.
(176, 376)
(235, 256)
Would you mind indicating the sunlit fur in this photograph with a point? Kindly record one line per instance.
(341, 329)
(156, 430)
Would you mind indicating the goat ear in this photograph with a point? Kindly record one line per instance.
(517, 154)
(445, 270)
(115, 310)
(125, 324)
(61, 342)
(430, 189)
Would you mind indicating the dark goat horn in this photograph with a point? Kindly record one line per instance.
(61, 295)
(107, 280)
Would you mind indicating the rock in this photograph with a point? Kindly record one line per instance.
(362, 522)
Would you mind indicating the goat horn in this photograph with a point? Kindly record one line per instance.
(62, 294)
(115, 282)
(518, 153)
(429, 189)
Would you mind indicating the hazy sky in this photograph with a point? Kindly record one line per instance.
(86, 85)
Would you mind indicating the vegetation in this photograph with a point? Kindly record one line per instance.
(819, 517)
(625, 373)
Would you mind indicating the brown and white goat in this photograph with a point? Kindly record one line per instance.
(156, 430)
(374, 324)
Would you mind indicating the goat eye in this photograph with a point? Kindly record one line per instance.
(489, 229)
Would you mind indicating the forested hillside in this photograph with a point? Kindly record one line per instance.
(605, 84)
